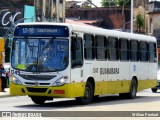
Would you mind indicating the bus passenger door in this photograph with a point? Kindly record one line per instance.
(77, 64)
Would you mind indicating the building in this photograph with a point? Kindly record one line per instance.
(10, 12)
(154, 12)
(105, 17)
(116, 17)
(141, 24)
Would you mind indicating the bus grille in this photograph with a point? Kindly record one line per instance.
(33, 83)
(37, 77)
(37, 90)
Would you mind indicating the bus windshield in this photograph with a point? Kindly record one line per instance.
(40, 54)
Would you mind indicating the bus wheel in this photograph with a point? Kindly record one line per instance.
(133, 89)
(88, 95)
(154, 90)
(38, 99)
(96, 98)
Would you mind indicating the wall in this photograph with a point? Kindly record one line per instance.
(112, 17)
(10, 12)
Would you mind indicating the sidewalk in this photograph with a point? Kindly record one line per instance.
(5, 94)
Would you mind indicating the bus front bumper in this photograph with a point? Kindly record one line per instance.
(67, 90)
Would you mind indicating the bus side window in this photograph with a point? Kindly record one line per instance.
(152, 52)
(76, 52)
(143, 47)
(89, 47)
(124, 49)
(112, 47)
(101, 48)
(134, 54)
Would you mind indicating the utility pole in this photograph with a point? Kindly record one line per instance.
(51, 11)
(131, 16)
(60, 10)
(38, 10)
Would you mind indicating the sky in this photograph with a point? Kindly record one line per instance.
(97, 2)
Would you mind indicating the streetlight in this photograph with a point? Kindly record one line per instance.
(131, 16)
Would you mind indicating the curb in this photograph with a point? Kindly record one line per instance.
(2, 96)
(5, 94)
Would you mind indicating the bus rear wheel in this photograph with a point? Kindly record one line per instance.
(133, 91)
(88, 95)
(38, 99)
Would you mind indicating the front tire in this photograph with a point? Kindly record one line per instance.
(38, 99)
(88, 95)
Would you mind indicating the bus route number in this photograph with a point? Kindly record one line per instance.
(17, 72)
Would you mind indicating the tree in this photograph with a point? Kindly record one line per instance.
(126, 3)
(140, 22)
(110, 3)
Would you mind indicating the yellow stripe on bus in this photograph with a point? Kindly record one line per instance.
(77, 89)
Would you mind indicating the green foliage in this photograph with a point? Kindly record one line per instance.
(105, 3)
(109, 3)
(140, 21)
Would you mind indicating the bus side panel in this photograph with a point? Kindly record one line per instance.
(120, 77)
(124, 76)
(146, 77)
(145, 84)
(153, 74)
(108, 87)
(153, 71)
(112, 76)
(118, 81)
(97, 71)
(142, 75)
(68, 90)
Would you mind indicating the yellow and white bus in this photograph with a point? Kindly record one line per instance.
(51, 60)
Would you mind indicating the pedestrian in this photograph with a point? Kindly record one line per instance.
(3, 77)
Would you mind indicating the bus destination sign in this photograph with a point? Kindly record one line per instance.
(47, 31)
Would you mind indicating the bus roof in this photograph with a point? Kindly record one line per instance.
(98, 31)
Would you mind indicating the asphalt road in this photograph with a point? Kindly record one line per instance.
(146, 101)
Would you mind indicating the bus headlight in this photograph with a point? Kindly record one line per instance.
(59, 82)
(15, 80)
